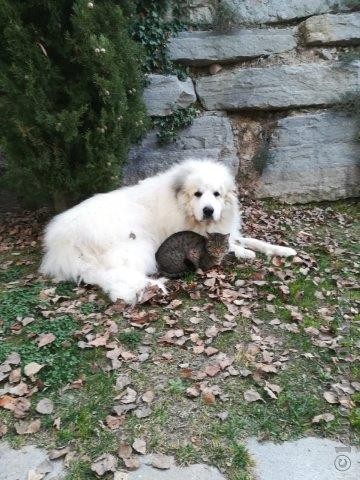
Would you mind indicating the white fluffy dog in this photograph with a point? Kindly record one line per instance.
(110, 239)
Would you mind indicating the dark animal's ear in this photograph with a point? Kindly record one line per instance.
(227, 236)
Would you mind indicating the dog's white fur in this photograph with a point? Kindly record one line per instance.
(110, 239)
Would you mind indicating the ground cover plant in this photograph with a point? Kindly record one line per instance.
(268, 348)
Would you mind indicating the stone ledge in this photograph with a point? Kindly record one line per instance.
(275, 11)
(278, 87)
(332, 29)
(204, 48)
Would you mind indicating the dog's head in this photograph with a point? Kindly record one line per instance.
(205, 189)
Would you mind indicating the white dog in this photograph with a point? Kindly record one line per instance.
(110, 239)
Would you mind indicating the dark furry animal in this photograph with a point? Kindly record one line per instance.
(186, 251)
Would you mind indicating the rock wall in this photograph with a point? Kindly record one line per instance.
(274, 94)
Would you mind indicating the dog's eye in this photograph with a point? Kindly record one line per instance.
(216, 194)
(197, 194)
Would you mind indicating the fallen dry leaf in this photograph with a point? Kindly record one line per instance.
(45, 406)
(33, 475)
(208, 398)
(27, 428)
(21, 407)
(57, 423)
(103, 464)
(122, 381)
(192, 392)
(130, 396)
(58, 453)
(143, 412)
(212, 370)
(32, 369)
(330, 397)
(19, 390)
(45, 339)
(162, 462)
(124, 450)
(100, 341)
(131, 463)
(15, 375)
(251, 395)
(13, 359)
(3, 429)
(212, 331)
(114, 422)
(139, 446)
(326, 417)
(148, 396)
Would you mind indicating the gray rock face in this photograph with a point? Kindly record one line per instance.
(16, 464)
(210, 136)
(204, 48)
(200, 12)
(198, 471)
(313, 157)
(332, 29)
(270, 11)
(307, 459)
(279, 86)
(166, 92)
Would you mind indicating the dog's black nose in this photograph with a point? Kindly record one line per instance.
(208, 212)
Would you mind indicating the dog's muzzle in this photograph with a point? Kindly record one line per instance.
(208, 212)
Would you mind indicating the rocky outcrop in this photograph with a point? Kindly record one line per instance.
(166, 92)
(200, 12)
(279, 86)
(210, 136)
(273, 11)
(332, 29)
(312, 157)
(204, 47)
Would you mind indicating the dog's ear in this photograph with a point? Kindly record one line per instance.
(179, 180)
(177, 184)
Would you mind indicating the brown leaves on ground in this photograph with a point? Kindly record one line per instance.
(252, 395)
(162, 462)
(3, 429)
(32, 369)
(45, 406)
(45, 339)
(196, 330)
(324, 417)
(104, 464)
(139, 446)
(27, 428)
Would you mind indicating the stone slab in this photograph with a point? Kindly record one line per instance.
(210, 136)
(15, 464)
(273, 11)
(166, 92)
(332, 29)
(312, 157)
(205, 47)
(279, 86)
(305, 459)
(198, 471)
